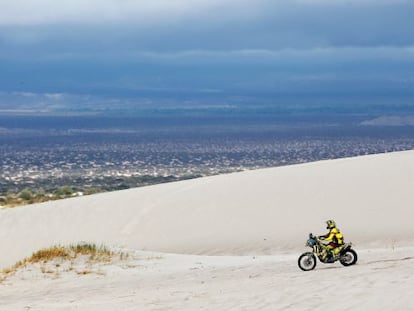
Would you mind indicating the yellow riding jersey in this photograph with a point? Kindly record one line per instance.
(335, 236)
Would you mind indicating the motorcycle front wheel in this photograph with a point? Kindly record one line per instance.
(307, 261)
(349, 258)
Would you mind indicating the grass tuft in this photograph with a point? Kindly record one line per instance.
(49, 254)
(92, 252)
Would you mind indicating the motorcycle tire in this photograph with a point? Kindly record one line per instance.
(307, 261)
(349, 258)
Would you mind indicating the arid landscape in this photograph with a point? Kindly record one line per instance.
(222, 242)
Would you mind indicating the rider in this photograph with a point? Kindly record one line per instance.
(333, 240)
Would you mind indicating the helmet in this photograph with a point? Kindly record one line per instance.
(330, 224)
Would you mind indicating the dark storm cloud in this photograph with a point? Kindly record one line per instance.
(250, 48)
(231, 25)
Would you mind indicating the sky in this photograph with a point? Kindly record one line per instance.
(122, 55)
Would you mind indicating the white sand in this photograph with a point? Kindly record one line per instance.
(264, 215)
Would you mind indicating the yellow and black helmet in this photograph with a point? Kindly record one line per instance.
(330, 224)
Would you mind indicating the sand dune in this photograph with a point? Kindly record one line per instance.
(255, 213)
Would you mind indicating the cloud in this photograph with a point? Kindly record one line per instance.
(35, 12)
(180, 25)
(275, 57)
(358, 70)
(172, 48)
(351, 2)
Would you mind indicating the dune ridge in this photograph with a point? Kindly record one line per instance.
(252, 212)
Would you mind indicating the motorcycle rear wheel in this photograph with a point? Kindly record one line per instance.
(307, 261)
(349, 258)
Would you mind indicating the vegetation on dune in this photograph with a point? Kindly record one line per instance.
(56, 257)
(36, 193)
(71, 252)
(30, 196)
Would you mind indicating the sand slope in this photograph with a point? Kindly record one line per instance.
(253, 212)
(265, 213)
(382, 280)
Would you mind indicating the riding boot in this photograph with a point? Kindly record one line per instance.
(330, 257)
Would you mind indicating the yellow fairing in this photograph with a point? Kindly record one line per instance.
(337, 250)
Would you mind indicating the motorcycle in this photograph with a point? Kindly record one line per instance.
(307, 261)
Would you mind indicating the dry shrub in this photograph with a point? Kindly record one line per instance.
(48, 254)
(93, 253)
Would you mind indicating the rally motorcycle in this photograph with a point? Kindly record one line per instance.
(307, 261)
